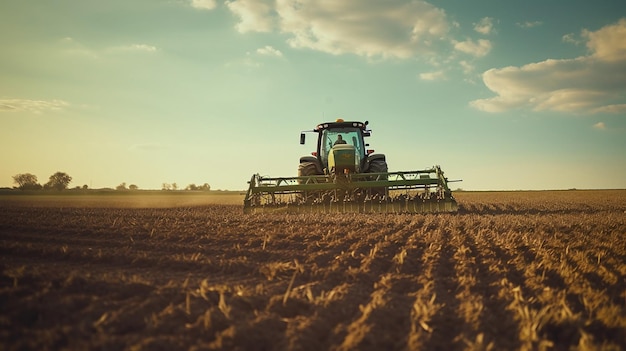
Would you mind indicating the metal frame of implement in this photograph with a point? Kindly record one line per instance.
(404, 192)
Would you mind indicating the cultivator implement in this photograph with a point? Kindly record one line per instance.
(424, 191)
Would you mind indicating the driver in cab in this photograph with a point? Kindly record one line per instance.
(339, 140)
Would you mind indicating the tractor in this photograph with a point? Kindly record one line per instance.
(344, 175)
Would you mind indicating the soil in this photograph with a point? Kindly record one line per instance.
(511, 270)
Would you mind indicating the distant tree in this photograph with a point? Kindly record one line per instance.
(58, 181)
(26, 181)
(133, 187)
(205, 187)
(191, 187)
(85, 187)
(121, 187)
(166, 186)
(174, 186)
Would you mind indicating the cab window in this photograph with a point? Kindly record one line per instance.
(331, 137)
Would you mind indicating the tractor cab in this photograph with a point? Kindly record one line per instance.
(340, 144)
(341, 141)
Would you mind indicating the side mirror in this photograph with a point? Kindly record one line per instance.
(302, 138)
(367, 133)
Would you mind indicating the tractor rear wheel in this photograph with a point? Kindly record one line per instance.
(307, 169)
(378, 166)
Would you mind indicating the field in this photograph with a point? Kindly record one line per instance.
(511, 270)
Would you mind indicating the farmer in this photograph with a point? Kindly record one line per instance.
(339, 140)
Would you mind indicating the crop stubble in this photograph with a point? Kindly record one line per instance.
(518, 270)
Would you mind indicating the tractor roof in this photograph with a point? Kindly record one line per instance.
(340, 123)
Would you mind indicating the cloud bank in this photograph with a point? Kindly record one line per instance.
(370, 28)
(586, 84)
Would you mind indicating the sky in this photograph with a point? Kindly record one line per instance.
(505, 95)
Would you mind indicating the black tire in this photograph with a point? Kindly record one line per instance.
(378, 166)
(307, 169)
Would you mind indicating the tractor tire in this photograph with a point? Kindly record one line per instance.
(307, 169)
(378, 166)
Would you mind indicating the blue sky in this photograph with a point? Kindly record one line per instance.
(504, 95)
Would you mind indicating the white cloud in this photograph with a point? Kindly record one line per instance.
(35, 106)
(477, 49)
(254, 15)
(616, 109)
(363, 27)
(587, 84)
(484, 26)
(75, 48)
(600, 125)
(145, 47)
(372, 28)
(203, 4)
(269, 51)
(570, 38)
(134, 47)
(608, 43)
(529, 24)
(437, 75)
(467, 67)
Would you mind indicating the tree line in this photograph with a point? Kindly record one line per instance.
(28, 181)
(61, 181)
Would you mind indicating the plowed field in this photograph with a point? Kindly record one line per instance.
(511, 270)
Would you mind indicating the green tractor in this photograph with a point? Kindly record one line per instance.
(341, 151)
(343, 175)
